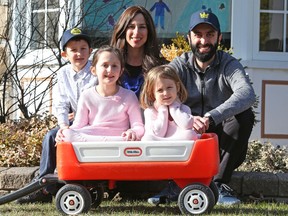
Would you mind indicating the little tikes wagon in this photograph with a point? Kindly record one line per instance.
(87, 167)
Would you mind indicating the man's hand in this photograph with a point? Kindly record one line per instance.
(201, 124)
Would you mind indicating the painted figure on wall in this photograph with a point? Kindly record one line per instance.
(160, 7)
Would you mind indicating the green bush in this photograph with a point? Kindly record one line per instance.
(21, 141)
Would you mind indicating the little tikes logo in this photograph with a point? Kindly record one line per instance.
(204, 15)
(132, 152)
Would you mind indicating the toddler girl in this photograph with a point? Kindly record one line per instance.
(165, 115)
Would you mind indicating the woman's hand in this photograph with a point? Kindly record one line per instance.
(129, 135)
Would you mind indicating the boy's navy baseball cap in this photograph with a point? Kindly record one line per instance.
(74, 33)
(204, 16)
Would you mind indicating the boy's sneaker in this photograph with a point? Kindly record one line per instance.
(38, 196)
(167, 195)
(225, 195)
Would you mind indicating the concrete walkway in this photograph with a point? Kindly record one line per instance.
(248, 185)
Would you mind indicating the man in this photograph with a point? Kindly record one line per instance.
(220, 96)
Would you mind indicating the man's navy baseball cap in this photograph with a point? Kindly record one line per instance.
(204, 16)
(74, 33)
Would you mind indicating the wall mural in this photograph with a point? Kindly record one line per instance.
(170, 16)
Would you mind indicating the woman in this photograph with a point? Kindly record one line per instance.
(135, 35)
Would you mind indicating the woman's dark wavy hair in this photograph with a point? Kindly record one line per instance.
(151, 50)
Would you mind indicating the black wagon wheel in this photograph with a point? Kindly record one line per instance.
(196, 199)
(73, 199)
(97, 195)
(215, 190)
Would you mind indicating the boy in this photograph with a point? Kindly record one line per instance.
(72, 79)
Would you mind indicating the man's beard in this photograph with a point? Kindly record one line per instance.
(204, 57)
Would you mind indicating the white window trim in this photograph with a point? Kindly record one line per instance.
(264, 55)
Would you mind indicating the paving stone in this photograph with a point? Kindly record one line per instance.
(283, 184)
(260, 183)
(16, 177)
(237, 181)
(281, 200)
(3, 192)
(3, 169)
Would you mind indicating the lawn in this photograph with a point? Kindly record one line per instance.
(141, 208)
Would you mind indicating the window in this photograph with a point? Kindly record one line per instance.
(273, 26)
(44, 23)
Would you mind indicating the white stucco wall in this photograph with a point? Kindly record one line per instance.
(267, 72)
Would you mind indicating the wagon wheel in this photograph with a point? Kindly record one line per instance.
(97, 195)
(196, 199)
(215, 191)
(73, 199)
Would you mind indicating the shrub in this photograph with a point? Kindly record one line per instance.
(264, 157)
(21, 141)
(179, 45)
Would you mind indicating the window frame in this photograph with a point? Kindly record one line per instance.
(46, 11)
(34, 53)
(267, 55)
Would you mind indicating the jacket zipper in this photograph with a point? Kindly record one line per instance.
(202, 91)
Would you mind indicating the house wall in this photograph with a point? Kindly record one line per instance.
(3, 30)
(3, 18)
(269, 76)
(3, 23)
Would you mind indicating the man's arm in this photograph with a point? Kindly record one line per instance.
(242, 98)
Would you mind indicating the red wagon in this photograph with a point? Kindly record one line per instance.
(87, 167)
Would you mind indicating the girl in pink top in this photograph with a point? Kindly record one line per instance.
(108, 111)
(166, 118)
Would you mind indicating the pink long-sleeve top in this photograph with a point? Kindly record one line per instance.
(158, 125)
(108, 116)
